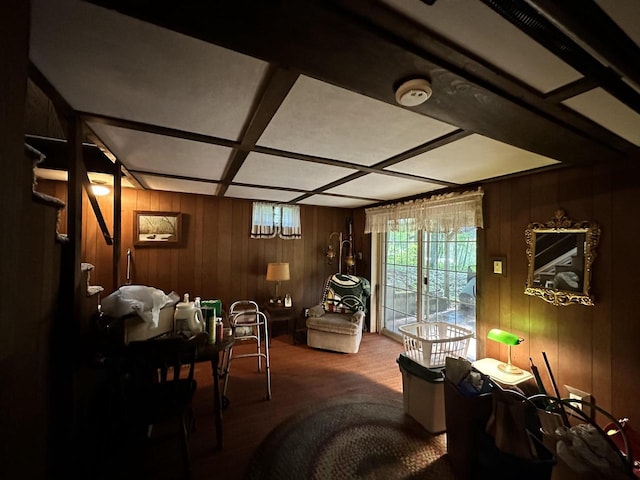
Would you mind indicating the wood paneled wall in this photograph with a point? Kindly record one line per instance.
(595, 348)
(590, 348)
(29, 279)
(217, 258)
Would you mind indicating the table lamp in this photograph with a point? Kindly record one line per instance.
(277, 272)
(509, 339)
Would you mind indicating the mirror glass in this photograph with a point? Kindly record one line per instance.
(560, 253)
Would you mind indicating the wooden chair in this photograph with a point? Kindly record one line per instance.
(157, 385)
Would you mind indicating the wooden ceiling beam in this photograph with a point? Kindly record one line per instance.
(56, 153)
(595, 32)
(276, 87)
(89, 117)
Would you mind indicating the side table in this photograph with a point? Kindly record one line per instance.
(300, 328)
(280, 318)
(489, 366)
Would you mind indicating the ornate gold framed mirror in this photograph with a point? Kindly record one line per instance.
(560, 253)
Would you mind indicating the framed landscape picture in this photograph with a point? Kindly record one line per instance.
(156, 228)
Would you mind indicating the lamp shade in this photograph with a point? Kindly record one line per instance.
(277, 272)
(502, 336)
(509, 339)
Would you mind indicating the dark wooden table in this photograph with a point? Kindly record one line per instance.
(211, 352)
(277, 315)
(300, 327)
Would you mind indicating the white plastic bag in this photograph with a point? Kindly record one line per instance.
(585, 450)
(145, 301)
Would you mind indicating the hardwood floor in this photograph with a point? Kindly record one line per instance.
(300, 376)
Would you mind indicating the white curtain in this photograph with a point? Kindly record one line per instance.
(262, 221)
(271, 219)
(290, 227)
(448, 212)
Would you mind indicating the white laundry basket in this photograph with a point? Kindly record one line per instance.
(430, 343)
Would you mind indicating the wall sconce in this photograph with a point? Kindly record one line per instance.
(277, 272)
(509, 339)
(331, 254)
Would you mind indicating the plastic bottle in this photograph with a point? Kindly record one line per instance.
(219, 329)
(212, 330)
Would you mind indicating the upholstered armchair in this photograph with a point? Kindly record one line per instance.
(337, 322)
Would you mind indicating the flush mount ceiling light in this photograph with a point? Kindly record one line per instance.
(413, 92)
(99, 188)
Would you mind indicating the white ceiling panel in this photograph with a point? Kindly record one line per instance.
(609, 112)
(334, 201)
(177, 185)
(254, 193)
(470, 159)
(327, 121)
(161, 154)
(143, 72)
(383, 187)
(263, 169)
(484, 36)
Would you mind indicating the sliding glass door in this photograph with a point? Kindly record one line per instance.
(428, 277)
(401, 263)
(424, 261)
(449, 272)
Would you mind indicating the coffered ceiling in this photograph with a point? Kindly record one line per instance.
(294, 101)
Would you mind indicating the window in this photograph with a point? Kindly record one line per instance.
(271, 219)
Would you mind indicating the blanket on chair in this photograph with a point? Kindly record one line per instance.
(345, 293)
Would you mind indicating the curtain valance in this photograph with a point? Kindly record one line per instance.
(448, 212)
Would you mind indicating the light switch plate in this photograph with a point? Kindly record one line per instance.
(499, 266)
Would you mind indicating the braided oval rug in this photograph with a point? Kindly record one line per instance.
(351, 438)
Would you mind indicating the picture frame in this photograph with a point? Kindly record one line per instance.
(561, 275)
(157, 229)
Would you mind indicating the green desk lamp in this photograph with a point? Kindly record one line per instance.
(509, 339)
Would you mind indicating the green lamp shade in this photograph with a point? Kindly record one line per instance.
(504, 337)
(510, 340)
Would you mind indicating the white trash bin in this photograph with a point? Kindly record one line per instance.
(423, 394)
